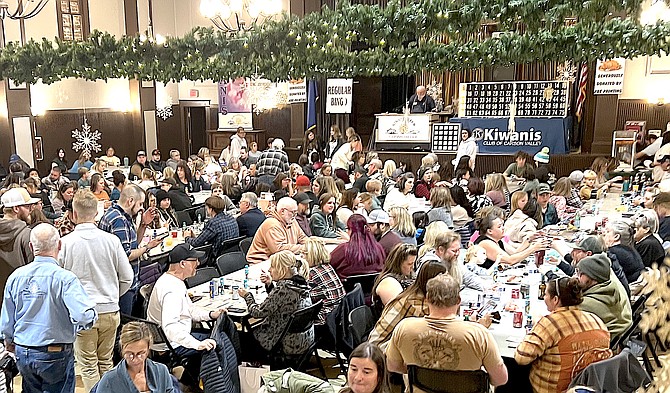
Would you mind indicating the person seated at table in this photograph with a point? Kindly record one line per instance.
(446, 251)
(150, 202)
(361, 254)
(138, 165)
(547, 210)
(425, 182)
(441, 203)
(490, 228)
(576, 177)
(350, 202)
(402, 225)
(662, 209)
(166, 214)
(324, 222)
(602, 166)
(603, 295)
(589, 189)
(180, 200)
(431, 233)
(251, 217)
(401, 194)
(495, 186)
(646, 242)
(323, 280)
(99, 166)
(544, 173)
(119, 180)
(136, 372)
(288, 292)
(397, 275)
(369, 203)
(564, 342)
(84, 177)
(559, 199)
(230, 187)
(217, 191)
(367, 372)
(148, 179)
(520, 166)
(379, 224)
(183, 176)
(461, 210)
(83, 161)
(409, 303)
(99, 189)
(523, 223)
(619, 238)
(304, 211)
(110, 158)
(277, 233)
(465, 345)
(220, 227)
(199, 181)
(172, 309)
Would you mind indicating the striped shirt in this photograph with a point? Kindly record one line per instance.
(561, 345)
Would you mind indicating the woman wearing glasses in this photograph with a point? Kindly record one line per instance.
(564, 342)
(136, 372)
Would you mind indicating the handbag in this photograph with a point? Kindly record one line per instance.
(250, 377)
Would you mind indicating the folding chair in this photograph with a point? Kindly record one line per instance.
(447, 381)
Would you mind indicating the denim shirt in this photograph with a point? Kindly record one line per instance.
(45, 304)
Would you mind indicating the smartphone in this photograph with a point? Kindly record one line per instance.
(162, 236)
(237, 310)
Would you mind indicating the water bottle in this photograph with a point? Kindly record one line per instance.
(126, 162)
(221, 287)
(246, 272)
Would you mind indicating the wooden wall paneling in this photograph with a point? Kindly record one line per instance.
(366, 103)
(169, 133)
(604, 124)
(656, 116)
(276, 123)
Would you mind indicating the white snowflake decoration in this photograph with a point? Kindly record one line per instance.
(566, 71)
(164, 112)
(86, 140)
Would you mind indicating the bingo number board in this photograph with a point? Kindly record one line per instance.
(446, 137)
(532, 99)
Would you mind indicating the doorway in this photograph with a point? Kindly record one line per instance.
(195, 127)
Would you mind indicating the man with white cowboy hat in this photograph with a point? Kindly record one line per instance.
(14, 231)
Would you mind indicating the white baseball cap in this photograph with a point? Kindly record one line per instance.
(17, 197)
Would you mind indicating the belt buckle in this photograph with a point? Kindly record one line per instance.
(54, 348)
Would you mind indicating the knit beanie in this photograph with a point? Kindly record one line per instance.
(542, 156)
(596, 266)
(422, 171)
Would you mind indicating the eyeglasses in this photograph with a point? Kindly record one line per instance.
(132, 356)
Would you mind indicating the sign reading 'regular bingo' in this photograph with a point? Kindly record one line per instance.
(338, 95)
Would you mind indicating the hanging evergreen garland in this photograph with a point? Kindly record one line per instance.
(390, 41)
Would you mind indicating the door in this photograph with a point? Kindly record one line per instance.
(196, 126)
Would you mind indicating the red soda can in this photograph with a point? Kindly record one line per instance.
(517, 322)
(516, 293)
(539, 257)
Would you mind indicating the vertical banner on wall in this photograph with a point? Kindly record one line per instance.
(339, 93)
(609, 76)
(234, 104)
(297, 91)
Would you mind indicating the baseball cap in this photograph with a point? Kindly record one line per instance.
(141, 153)
(302, 181)
(301, 197)
(170, 181)
(591, 243)
(378, 216)
(662, 153)
(184, 251)
(17, 197)
(155, 152)
(543, 188)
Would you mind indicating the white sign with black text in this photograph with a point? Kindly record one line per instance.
(297, 91)
(609, 76)
(339, 93)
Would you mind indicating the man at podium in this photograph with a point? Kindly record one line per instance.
(420, 102)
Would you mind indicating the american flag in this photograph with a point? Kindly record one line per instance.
(582, 92)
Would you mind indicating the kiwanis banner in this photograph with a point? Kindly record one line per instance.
(530, 135)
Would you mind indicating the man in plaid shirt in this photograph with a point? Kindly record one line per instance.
(271, 162)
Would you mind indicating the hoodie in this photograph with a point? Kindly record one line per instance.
(284, 298)
(323, 225)
(609, 302)
(519, 227)
(14, 247)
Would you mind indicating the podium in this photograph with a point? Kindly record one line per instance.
(395, 131)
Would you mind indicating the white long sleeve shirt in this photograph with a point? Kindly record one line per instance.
(98, 259)
(171, 308)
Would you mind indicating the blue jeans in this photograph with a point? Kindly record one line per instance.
(127, 300)
(44, 371)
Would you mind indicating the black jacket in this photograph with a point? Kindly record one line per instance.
(180, 201)
(218, 367)
(651, 250)
(630, 261)
(157, 166)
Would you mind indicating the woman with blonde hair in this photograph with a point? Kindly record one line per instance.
(100, 166)
(397, 275)
(562, 191)
(519, 201)
(432, 231)
(168, 173)
(288, 292)
(136, 372)
(148, 179)
(324, 283)
(402, 224)
(602, 166)
(496, 189)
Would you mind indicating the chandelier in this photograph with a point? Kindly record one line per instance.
(24, 9)
(232, 15)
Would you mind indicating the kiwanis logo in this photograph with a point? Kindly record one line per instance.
(498, 137)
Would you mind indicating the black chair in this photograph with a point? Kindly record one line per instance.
(344, 341)
(447, 381)
(231, 245)
(245, 245)
(300, 321)
(206, 261)
(192, 212)
(184, 218)
(361, 323)
(367, 281)
(230, 262)
(201, 276)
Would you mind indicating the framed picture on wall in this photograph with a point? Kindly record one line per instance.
(16, 86)
(38, 148)
(658, 65)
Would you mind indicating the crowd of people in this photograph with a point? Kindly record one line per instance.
(80, 244)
